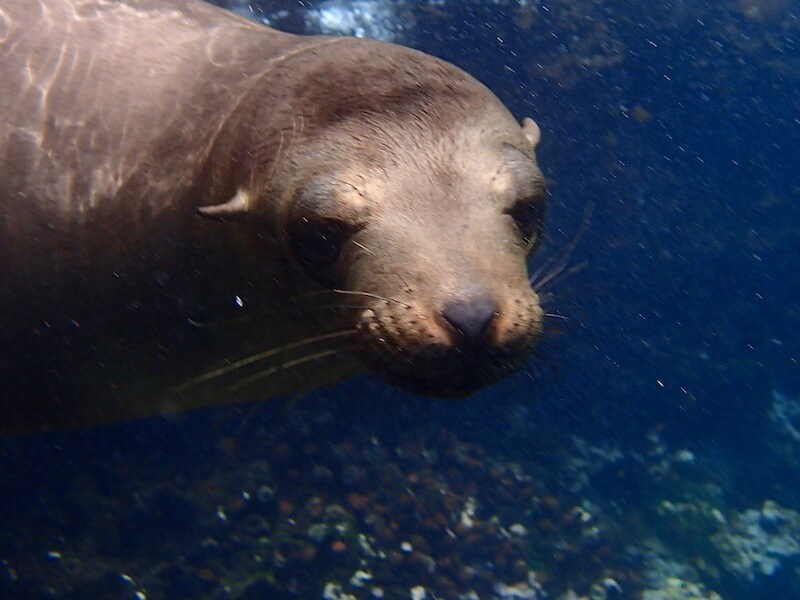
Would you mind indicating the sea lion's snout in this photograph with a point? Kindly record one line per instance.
(470, 341)
(470, 316)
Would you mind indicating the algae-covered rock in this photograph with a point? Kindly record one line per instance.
(691, 525)
(759, 541)
(678, 589)
(784, 420)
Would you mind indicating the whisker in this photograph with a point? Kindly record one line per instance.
(267, 311)
(558, 271)
(259, 357)
(561, 260)
(282, 367)
(364, 248)
(532, 243)
(551, 333)
(352, 293)
(550, 297)
(556, 316)
(531, 373)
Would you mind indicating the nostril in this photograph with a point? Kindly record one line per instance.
(470, 316)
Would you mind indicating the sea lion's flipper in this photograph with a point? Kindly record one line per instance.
(531, 131)
(85, 376)
(299, 377)
(59, 409)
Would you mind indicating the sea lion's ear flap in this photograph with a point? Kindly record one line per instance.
(531, 131)
(235, 209)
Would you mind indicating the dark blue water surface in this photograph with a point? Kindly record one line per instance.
(656, 454)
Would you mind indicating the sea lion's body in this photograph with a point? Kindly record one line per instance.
(118, 121)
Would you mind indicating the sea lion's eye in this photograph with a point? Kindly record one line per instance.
(528, 214)
(317, 241)
(528, 209)
(321, 221)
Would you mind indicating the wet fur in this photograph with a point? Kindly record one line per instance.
(121, 121)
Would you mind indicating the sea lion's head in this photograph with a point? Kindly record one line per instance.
(424, 199)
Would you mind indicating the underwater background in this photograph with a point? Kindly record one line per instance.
(653, 453)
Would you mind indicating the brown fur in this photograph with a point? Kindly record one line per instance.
(120, 121)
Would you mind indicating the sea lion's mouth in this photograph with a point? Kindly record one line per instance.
(458, 377)
(409, 346)
(440, 372)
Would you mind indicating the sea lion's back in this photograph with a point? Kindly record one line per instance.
(108, 113)
(81, 112)
(108, 110)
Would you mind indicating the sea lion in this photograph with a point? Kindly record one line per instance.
(197, 209)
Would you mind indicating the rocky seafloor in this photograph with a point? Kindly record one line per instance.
(296, 504)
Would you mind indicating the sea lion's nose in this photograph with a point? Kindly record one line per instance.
(471, 315)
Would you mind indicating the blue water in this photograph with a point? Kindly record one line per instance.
(666, 410)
